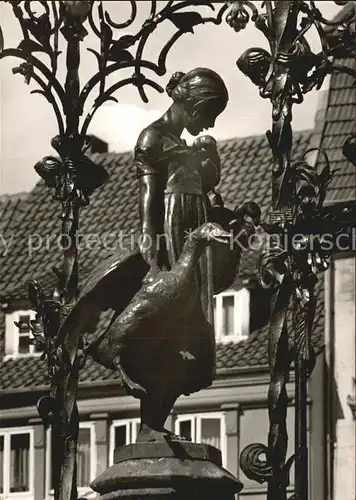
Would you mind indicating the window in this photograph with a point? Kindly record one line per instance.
(16, 462)
(17, 339)
(341, 352)
(232, 315)
(86, 458)
(122, 432)
(84, 462)
(207, 428)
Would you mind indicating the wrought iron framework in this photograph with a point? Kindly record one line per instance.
(283, 75)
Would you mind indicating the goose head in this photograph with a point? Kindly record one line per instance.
(209, 232)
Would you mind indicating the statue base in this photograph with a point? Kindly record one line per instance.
(161, 470)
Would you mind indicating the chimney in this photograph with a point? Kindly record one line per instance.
(98, 145)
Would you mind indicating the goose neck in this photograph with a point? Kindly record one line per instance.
(190, 253)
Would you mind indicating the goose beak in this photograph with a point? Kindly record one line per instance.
(222, 237)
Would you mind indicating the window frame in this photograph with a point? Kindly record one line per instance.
(241, 315)
(12, 335)
(82, 490)
(7, 432)
(131, 425)
(196, 419)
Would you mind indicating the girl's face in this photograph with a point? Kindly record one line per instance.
(200, 119)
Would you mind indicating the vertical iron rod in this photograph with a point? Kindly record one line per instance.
(301, 429)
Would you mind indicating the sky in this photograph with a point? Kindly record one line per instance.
(27, 121)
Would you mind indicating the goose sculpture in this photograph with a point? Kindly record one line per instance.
(119, 280)
(161, 343)
(103, 290)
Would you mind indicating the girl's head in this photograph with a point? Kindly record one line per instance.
(203, 94)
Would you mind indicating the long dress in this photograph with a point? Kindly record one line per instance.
(185, 208)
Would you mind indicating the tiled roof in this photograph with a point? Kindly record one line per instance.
(114, 208)
(339, 123)
(11, 208)
(245, 175)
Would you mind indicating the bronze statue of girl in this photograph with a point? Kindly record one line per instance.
(162, 353)
(173, 180)
(171, 191)
(174, 183)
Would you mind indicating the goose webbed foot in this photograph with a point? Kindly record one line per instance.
(148, 434)
(175, 437)
(134, 389)
(155, 408)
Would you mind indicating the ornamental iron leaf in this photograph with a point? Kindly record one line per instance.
(119, 55)
(39, 28)
(31, 46)
(185, 21)
(125, 42)
(255, 63)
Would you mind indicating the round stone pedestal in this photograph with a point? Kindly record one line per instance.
(174, 470)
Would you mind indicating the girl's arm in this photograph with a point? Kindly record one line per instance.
(147, 153)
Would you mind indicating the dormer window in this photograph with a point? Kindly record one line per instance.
(17, 338)
(231, 315)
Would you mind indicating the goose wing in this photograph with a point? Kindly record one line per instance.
(111, 285)
(149, 311)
